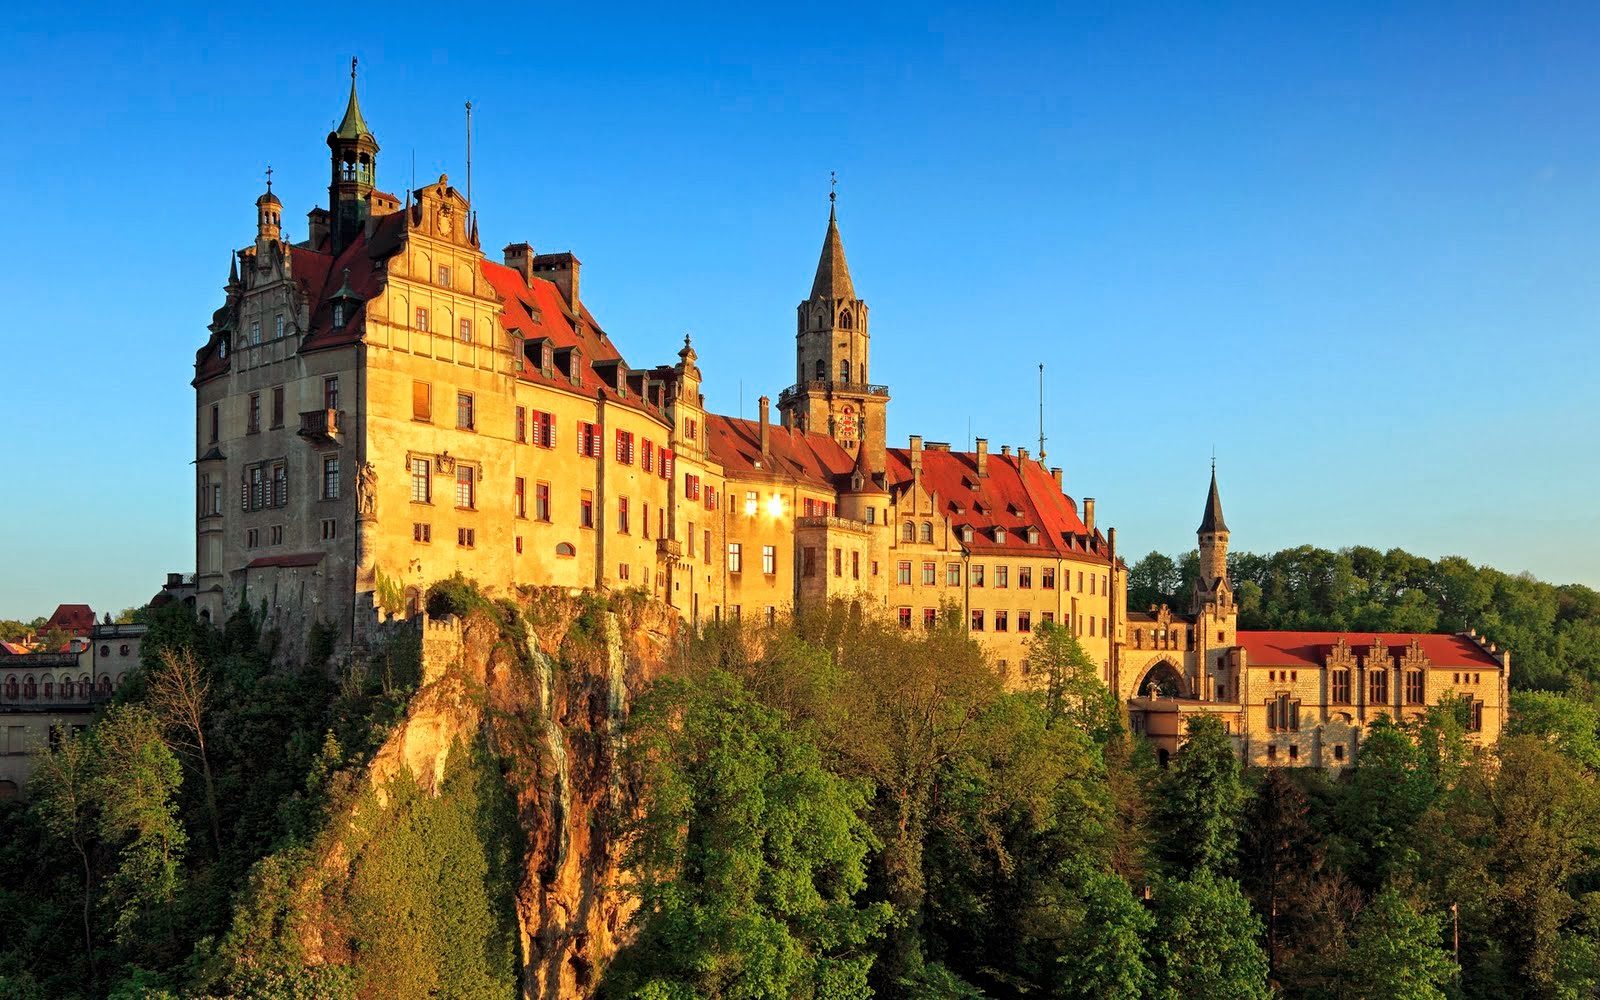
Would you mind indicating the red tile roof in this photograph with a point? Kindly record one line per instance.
(292, 560)
(1310, 649)
(811, 457)
(74, 619)
(1015, 495)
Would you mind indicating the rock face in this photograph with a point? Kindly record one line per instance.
(549, 691)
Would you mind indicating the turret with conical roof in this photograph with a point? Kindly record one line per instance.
(1211, 588)
(832, 393)
(355, 170)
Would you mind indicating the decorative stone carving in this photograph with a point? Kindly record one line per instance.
(367, 490)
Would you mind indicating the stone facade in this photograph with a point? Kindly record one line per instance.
(382, 406)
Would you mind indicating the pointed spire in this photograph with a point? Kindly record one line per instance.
(1213, 522)
(233, 270)
(353, 125)
(833, 275)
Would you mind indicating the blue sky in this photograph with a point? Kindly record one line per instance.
(1353, 250)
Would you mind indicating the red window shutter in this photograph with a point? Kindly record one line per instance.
(583, 442)
(666, 464)
(622, 455)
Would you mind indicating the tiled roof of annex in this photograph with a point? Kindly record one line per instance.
(1311, 649)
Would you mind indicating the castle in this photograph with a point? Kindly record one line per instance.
(381, 406)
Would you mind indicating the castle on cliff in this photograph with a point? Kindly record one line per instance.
(381, 406)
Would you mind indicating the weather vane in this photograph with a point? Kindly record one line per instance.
(352, 67)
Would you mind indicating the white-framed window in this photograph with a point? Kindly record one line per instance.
(421, 482)
(735, 557)
(277, 332)
(466, 331)
(330, 477)
(769, 559)
(444, 275)
(422, 319)
(466, 486)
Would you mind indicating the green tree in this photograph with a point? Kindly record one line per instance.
(1396, 953)
(1569, 723)
(747, 854)
(1072, 687)
(64, 794)
(1206, 941)
(1104, 957)
(1387, 792)
(135, 788)
(1199, 800)
(1152, 581)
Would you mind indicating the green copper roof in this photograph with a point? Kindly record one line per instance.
(353, 126)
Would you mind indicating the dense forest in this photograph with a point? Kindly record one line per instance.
(835, 807)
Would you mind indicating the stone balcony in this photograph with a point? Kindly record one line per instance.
(669, 549)
(850, 388)
(832, 522)
(319, 425)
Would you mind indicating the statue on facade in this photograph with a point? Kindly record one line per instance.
(366, 489)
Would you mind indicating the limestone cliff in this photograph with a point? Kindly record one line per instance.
(544, 688)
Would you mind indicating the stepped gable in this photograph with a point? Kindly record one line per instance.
(1311, 649)
(1015, 495)
(810, 457)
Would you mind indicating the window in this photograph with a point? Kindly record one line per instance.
(855, 565)
(521, 495)
(666, 464)
(711, 498)
(330, 529)
(255, 413)
(844, 370)
(1091, 626)
(1091, 583)
(588, 439)
(904, 575)
(1414, 687)
(521, 425)
(1080, 581)
(444, 275)
(1002, 576)
(1048, 616)
(691, 484)
(544, 429)
(277, 535)
(277, 406)
(338, 314)
(908, 532)
(769, 559)
(1272, 751)
(1475, 717)
(1338, 751)
(422, 401)
(872, 515)
(255, 331)
(466, 483)
(421, 482)
(1047, 578)
(519, 545)
(421, 531)
(1294, 752)
(1001, 621)
(466, 537)
(905, 618)
(1283, 715)
(1025, 576)
(735, 558)
(838, 562)
(216, 422)
(464, 411)
(330, 477)
(1339, 681)
(1378, 687)
(465, 331)
(1025, 621)
(625, 447)
(975, 576)
(952, 575)
(930, 617)
(752, 503)
(622, 515)
(585, 508)
(277, 332)
(422, 319)
(808, 560)
(977, 621)
(330, 392)
(622, 571)
(541, 501)
(930, 573)
(252, 538)
(692, 428)
(706, 549)
(927, 531)
(280, 486)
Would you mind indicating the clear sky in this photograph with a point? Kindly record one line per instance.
(1353, 250)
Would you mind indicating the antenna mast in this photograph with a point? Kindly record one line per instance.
(1041, 413)
(469, 155)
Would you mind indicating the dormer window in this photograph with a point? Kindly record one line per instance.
(999, 535)
(966, 533)
(1033, 536)
(338, 314)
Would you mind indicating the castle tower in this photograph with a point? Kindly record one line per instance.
(1212, 590)
(832, 393)
(269, 217)
(355, 168)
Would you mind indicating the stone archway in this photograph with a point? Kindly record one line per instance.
(1162, 679)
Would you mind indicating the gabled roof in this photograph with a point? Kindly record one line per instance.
(1311, 649)
(810, 457)
(833, 274)
(1015, 495)
(77, 619)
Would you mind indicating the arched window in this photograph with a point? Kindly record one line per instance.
(124, 651)
(844, 319)
(566, 550)
(927, 531)
(844, 371)
(821, 321)
(822, 370)
(29, 688)
(47, 687)
(908, 532)
(12, 690)
(105, 683)
(105, 650)
(84, 687)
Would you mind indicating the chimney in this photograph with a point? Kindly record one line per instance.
(317, 227)
(1055, 473)
(916, 459)
(519, 257)
(1005, 450)
(1022, 456)
(561, 269)
(983, 457)
(766, 406)
(1088, 515)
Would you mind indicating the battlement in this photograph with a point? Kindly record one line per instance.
(442, 647)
